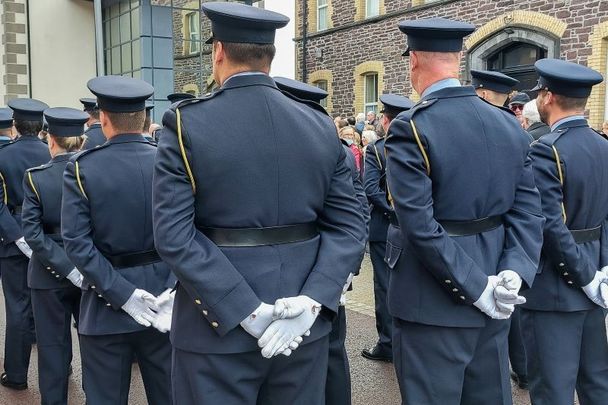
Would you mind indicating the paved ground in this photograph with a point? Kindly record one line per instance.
(373, 383)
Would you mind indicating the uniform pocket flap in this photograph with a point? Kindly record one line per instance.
(392, 254)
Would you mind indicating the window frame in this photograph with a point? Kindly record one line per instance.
(326, 84)
(324, 7)
(369, 106)
(367, 8)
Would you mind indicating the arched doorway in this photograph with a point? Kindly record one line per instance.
(517, 60)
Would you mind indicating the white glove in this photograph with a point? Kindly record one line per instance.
(142, 307)
(164, 302)
(604, 270)
(24, 247)
(593, 289)
(256, 323)
(506, 292)
(487, 302)
(295, 316)
(75, 277)
(349, 280)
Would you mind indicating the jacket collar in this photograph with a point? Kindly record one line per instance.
(578, 123)
(451, 92)
(245, 80)
(62, 158)
(124, 138)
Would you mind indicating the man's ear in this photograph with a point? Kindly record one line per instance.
(218, 51)
(413, 60)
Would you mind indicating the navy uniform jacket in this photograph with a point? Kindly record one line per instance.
(566, 266)
(375, 189)
(106, 210)
(95, 137)
(15, 158)
(249, 171)
(41, 222)
(478, 167)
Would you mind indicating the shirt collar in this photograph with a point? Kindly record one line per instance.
(441, 84)
(566, 119)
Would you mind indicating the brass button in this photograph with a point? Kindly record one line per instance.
(52, 272)
(215, 324)
(455, 289)
(565, 273)
(197, 302)
(92, 287)
(57, 276)
(570, 282)
(561, 265)
(462, 297)
(205, 312)
(108, 305)
(448, 281)
(99, 295)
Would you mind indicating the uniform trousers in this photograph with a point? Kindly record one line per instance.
(250, 379)
(439, 365)
(384, 321)
(337, 387)
(517, 350)
(53, 312)
(566, 351)
(107, 361)
(19, 317)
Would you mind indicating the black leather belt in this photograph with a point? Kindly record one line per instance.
(474, 227)
(134, 259)
(16, 210)
(586, 235)
(249, 237)
(50, 230)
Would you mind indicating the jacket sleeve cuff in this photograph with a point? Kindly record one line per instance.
(120, 291)
(235, 306)
(323, 289)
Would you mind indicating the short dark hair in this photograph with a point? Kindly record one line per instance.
(94, 113)
(257, 56)
(28, 128)
(389, 115)
(570, 103)
(131, 122)
(351, 121)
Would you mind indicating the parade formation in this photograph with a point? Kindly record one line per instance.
(216, 254)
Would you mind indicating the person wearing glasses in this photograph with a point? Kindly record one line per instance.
(516, 104)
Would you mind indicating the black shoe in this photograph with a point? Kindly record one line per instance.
(377, 354)
(520, 380)
(12, 385)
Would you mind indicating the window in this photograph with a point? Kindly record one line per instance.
(372, 8)
(322, 14)
(194, 35)
(322, 84)
(517, 60)
(371, 92)
(121, 38)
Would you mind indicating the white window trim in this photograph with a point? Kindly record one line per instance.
(367, 10)
(194, 35)
(371, 105)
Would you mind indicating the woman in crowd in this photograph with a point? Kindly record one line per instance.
(348, 134)
(54, 281)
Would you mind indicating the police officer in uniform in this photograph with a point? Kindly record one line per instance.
(469, 229)
(107, 232)
(375, 189)
(563, 321)
(6, 126)
(337, 386)
(494, 87)
(242, 227)
(94, 134)
(54, 281)
(15, 158)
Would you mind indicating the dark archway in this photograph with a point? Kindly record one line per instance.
(517, 60)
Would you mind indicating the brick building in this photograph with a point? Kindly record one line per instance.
(353, 48)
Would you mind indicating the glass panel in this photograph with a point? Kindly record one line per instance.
(136, 54)
(321, 3)
(371, 88)
(322, 19)
(107, 39)
(134, 3)
(372, 8)
(127, 59)
(135, 21)
(322, 84)
(191, 47)
(124, 5)
(137, 74)
(114, 10)
(520, 55)
(125, 27)
(109, 61)
(115, 60)
(115, 40)
(193, 23)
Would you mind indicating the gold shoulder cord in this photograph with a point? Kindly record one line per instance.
(29, 176)
(78, 180)
(183, 150)
(4, 189)
(377, 156)
(561, 178)
(419, 142)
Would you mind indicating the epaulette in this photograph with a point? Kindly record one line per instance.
(309, 103)
(189, 101)
(82, 153)
(420, 105)
(38, 168)
(603, 135)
